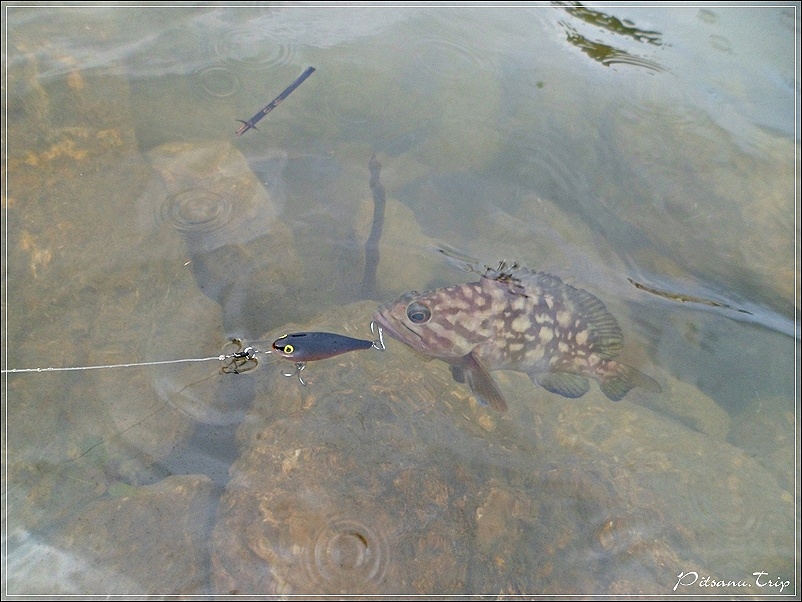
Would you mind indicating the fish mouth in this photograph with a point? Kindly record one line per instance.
(384, 322)
(391, 327)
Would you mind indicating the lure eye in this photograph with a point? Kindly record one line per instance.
(288, 349)
(417, 313)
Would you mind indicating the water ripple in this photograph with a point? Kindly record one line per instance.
(252, 49)
(554, 170)
(346, 555)
(217, 81)
(730, 517)
(448, 59)
(655, 106)
(196, 211)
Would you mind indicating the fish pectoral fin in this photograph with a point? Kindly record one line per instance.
(563, 383)
(457, 373)
(481, 383)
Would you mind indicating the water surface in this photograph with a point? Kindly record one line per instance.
(647, 155)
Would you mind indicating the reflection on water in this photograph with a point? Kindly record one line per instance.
(141, 229)
(604, 53)
(612, 23)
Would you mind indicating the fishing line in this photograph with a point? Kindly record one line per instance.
(243, 359)
(133, 364)
(240, 358)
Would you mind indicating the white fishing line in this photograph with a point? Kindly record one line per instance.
(131, 365)
(244, 354)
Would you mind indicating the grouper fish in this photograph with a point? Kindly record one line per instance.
(521, 320)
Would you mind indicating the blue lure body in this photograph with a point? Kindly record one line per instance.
(312, 346)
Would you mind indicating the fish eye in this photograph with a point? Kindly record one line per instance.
(417, 313)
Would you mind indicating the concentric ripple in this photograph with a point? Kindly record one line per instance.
(448, 59)
(251, 49)
(662, 102)
(196, 211)
(552, 167)
(217, 81)
(346, 555)
(732, 517)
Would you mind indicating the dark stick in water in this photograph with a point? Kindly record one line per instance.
(251, 123)
(682, 298)
(372, 244)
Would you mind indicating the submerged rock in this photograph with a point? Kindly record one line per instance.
(139, 541)
(715, 185)
(382, 475)
(241, 255)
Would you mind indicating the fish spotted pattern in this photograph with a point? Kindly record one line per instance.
(516, 319)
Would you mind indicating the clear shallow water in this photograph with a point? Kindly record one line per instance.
(599, 144)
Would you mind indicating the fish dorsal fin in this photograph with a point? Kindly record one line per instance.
(604, 335)
(479, 380)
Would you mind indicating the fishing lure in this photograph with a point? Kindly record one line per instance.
(302, 347)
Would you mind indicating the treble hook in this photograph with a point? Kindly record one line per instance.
(376, 330)
(299, 366)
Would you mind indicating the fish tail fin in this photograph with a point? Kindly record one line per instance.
(618, 379)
